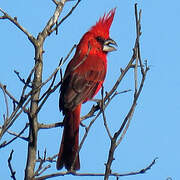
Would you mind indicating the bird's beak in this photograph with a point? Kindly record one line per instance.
(107, 46)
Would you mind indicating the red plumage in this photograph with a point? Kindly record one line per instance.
(83, 78)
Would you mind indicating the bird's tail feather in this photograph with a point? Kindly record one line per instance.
(70, 141)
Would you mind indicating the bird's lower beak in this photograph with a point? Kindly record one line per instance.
(107, 46)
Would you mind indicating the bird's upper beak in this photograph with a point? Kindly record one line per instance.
(107, 46)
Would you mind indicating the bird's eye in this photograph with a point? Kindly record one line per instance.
(100, 39)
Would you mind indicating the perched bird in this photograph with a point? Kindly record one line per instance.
(83, 78)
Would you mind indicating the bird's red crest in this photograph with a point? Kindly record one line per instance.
(103, 25)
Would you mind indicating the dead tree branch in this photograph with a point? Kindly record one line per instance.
(15, 22)
(10, 166)
(142, 171)
(103, 113)
(16, 136)
(64, 18)
(6, 102)
(41, 169)
(33, 117)
(123, 128)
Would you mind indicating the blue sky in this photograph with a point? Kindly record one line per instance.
(154, 129)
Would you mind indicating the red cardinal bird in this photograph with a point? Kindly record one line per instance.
(83, 78)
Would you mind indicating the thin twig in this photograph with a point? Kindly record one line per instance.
(23, 99)
(28, 81)
(15, 114)
(124, 126)
(10, 166)
(55, 1)
(91, 112)
(50, 90)
(40, 169)
(49, 159)
(65, 17)
(130, 114)
(138, 34)
(53, 75)
(95, 108)
(14, 21)
(103, 113)
(9, 94)
(6, 101)
(16, 136)
(135, 73)
(142, 171)
(21, 79)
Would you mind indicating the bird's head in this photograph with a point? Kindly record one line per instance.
(98, 36)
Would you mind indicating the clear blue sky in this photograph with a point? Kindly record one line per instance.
(154, 130)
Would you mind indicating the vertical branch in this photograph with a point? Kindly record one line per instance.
(136, 49)
(33, 119)
(33, 115)
(124, 126)
(10, 166)
(103, 113)
(136, 73)
(6, 102)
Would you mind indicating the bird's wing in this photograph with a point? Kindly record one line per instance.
(82, 83)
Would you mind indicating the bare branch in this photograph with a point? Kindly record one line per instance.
(20, 107)
(55, 1)
(138, 34)
(21, 79)
(130, 114)
(14, 21)
(95, 108)
(49, 159)
(36, 89)
(6, 101)
(10, 166)
(142, 171)
(91, 112)
(41, 169)
(50, 90)
(65, 17)
(53, 20)
(9, 94)
(103, 113)
(14, 115)
(136, 72)
(123, 128)
(52, 76)
(23, 99)
(16, 136)
(49, 126)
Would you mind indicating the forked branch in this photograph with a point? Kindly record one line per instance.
(115, 141)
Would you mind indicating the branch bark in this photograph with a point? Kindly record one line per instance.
(33, 116)
(142, 171)
(10, 166)
(123, 128)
